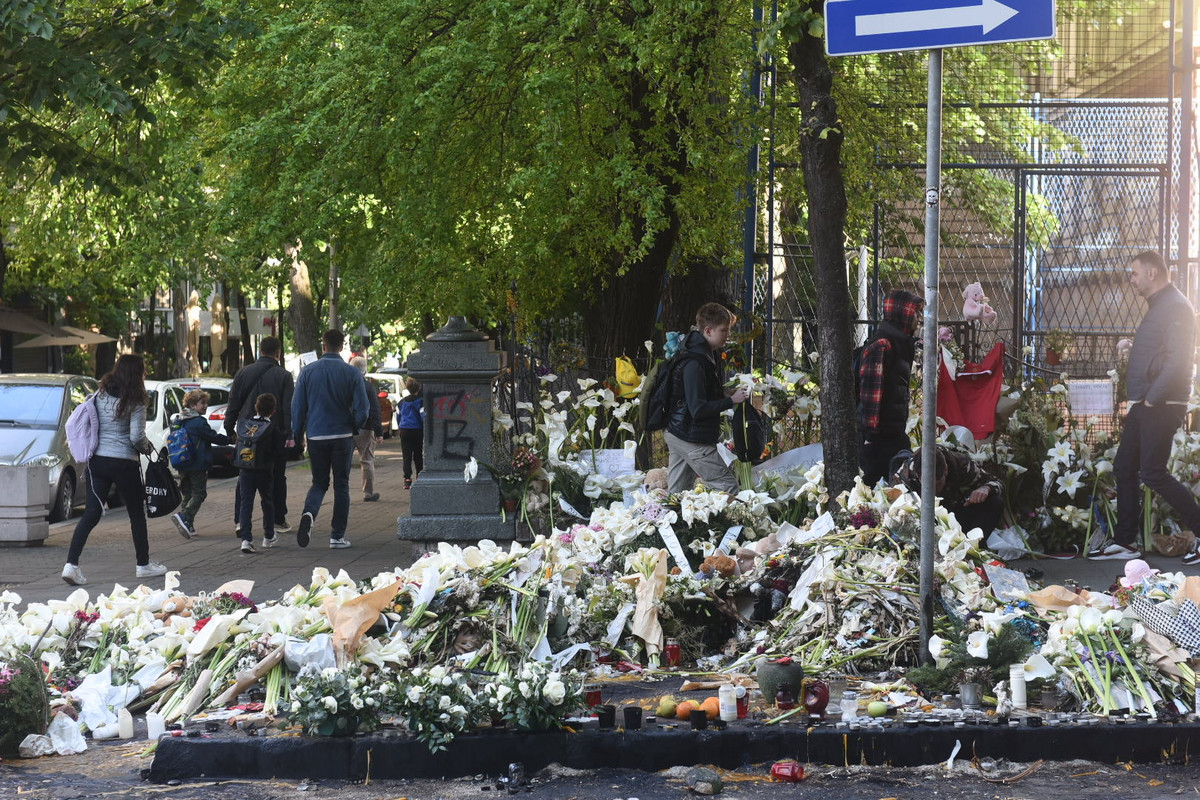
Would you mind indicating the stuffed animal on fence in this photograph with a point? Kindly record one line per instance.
(975, 305)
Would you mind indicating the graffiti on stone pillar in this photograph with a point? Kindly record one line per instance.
(451, 416)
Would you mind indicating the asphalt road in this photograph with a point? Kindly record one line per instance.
(112, 770)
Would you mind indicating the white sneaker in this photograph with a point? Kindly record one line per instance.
(282, 526)
(151, 570)
(339, 544)
(248, 546)
(1114, 552)
(72, 575)
(182, 526)
(269, 542)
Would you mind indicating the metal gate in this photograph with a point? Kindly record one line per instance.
(1077, 229)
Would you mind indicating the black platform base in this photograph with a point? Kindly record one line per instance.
(393, 756)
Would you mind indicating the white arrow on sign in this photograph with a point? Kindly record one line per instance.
(987, 16)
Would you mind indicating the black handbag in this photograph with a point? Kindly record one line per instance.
(162, 493)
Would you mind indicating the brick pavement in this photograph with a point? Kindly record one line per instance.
(212, 557)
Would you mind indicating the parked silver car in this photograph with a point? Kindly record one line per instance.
(33, 424)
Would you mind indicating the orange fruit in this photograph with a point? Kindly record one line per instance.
(711, 707)
(684, 710)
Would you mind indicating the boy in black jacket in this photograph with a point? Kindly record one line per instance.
(258, 475)
(698, 399)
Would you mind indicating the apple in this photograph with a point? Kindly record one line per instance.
(877, 708)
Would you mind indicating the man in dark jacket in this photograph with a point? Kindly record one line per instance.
(883, 385)
(329, 407)
(265, 375)
(967, 490)
(1158, 379)
(698, 399)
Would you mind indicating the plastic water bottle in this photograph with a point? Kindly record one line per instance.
(849, 705)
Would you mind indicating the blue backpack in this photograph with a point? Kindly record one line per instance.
(181, 449)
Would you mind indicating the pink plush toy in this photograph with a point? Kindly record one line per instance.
(975, 305)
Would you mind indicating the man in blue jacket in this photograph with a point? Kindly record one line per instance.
(329, 407)
(1158, 379)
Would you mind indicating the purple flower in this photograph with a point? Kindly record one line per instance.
(653, 512)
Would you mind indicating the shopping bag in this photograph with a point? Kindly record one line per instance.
(162, 493)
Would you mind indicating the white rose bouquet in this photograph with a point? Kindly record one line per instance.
(536, 698)
(333, 702)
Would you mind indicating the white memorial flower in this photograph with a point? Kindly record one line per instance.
(331, 705)
(977, 644)
(470, 470)
(555, 691)
(1070, 483)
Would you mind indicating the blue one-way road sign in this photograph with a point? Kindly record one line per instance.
(853, 27)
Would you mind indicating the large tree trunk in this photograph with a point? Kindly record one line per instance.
(302, 314)
(821, 149)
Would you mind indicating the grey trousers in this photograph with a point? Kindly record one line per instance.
(688, 461)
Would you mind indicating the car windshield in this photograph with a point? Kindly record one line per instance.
(37, 406)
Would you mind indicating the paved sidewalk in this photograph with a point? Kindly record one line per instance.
(212, 557)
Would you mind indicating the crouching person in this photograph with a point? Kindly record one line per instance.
(966, 489)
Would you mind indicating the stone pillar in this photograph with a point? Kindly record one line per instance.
(456, 366)
(24, 501)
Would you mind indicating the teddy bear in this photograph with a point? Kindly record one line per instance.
(720, 564)
(655, 479)
(179, 605)
(975, 305)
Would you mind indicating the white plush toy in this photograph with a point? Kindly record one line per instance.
(975, 305)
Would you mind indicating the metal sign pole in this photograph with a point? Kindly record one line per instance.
(931, 354)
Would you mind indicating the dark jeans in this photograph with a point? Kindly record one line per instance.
(251, 482)
(1145, 447)
(103, 474)
(193, 486)
(875, 457)
(326, 456)
(278, 492)
(985, 515)
(412, 444)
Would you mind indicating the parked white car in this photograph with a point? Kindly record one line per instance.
(166, 399)
(33, 430)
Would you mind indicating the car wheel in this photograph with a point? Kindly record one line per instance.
(64, 497)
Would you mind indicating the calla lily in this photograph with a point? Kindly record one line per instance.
(936, 643)
(470, 470)
(1090, 620)
(1038, 667)
(977, 644)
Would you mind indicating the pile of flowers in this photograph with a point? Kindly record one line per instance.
(486, 635)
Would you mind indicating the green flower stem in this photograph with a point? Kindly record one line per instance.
(1133, 673)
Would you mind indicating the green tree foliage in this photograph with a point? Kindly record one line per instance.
(450, 148)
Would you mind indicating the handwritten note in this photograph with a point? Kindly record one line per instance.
(610, 463)
(1090, 397)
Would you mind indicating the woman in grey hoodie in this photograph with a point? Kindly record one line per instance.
(121, 408)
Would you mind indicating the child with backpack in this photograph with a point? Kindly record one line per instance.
(697, 400)
(260, 443)
(189, 449)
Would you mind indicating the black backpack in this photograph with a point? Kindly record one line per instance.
(657, 403)
(251, 449)
(751, 429)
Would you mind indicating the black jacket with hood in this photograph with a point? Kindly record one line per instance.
(697, 394)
